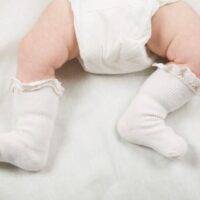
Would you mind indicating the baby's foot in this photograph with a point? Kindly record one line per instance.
(153, 134)
(35, 108)
(144, 121)
(20, 150)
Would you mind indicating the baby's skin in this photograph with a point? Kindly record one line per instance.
(53, 36)
(173, 37)
(52, 42)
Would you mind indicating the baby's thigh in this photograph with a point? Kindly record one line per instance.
(185, 50)
(176, 34)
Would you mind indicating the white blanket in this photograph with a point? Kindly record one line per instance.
(88, 161)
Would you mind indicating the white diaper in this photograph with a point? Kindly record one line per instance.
(112, 34)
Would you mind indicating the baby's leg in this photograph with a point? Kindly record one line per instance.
(49, 44)
(36, 91)
(176, 36)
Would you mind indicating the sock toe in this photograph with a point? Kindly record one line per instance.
(21, 153)
(176, 150)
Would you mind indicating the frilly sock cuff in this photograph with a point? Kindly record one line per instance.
(16, 84)
(184, 74)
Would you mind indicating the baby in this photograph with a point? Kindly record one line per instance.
(108, 37)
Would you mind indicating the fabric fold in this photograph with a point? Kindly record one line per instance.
(36, 85)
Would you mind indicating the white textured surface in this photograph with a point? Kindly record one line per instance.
(88, 160)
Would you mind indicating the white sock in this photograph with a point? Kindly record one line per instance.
(35, 107)
(166, 90)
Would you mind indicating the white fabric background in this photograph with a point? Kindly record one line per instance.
(88, 161)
